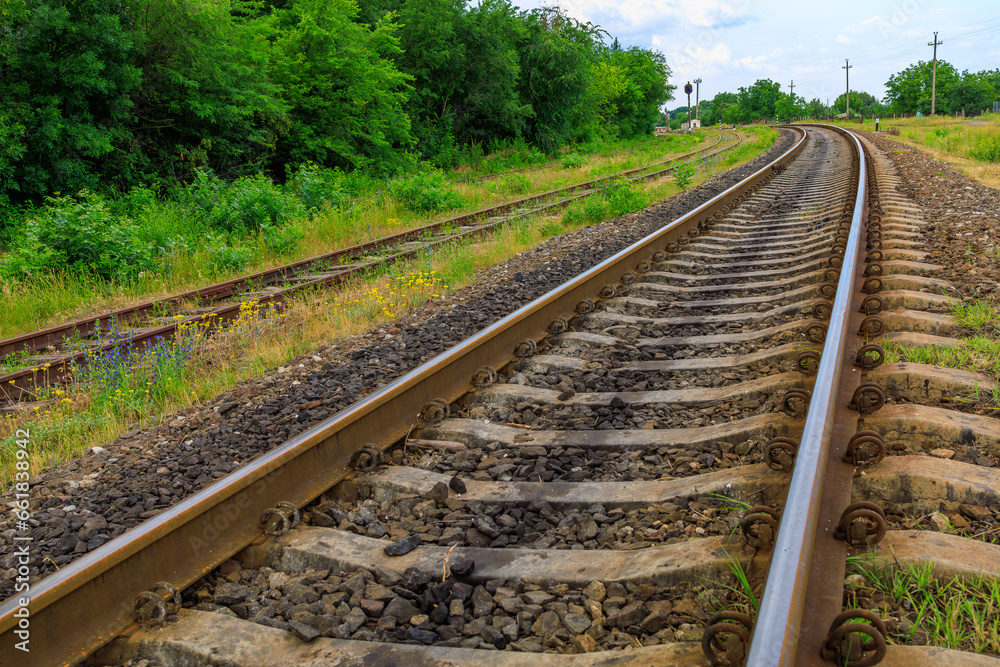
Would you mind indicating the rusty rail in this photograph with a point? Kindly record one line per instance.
(88, 602)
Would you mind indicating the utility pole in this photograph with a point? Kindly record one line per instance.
(847, 98)
(697, 90)
(791, 90)
(935, 44)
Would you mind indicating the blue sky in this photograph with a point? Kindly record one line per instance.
(733, 43)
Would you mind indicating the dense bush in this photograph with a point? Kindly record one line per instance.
(242, 207)
(78, 235)
(572, 160)
(317, 186)
(225, 258)
(426, 192)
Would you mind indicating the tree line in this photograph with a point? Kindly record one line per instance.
(99, 94)
(908, 91)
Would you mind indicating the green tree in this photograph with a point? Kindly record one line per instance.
(973, 93)
(862, 104)
(345, 96)
(719, 107)
(556, 53)
(909, 91)
(67, 76)
(629, 87)
(789, 106)
(815, 108)
(206, 100)
(489, 106)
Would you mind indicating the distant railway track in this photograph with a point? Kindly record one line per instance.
(588, 477)
(45, 359)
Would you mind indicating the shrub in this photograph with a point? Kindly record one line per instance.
(683, 175)
(224, 258)
(78, 235)
(281, 240)
(572, 160)
(623, 199)
(427, 191)
(315, 186)
(243, 206)
(255, 201)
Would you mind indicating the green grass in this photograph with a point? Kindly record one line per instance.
(978, 352)
(975, 314)
(740, 593)
(961, 613)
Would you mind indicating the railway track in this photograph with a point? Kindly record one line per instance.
(621, 471)
(49, 356)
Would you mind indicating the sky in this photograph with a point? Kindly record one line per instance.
(733, 43)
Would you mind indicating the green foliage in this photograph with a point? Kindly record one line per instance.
(77, 235)
(282, 241)
(316, 187)
(683, 174)
(862, 104)
(224, 258)
(242, 207)
(206, 100)
(572, 160)
(426, 191)
(624, 198)
(986, 148)
(555, 56)
(489, 106)
(345, 94)
(629, 87)
(253, 202)
(909, 91)
(67, 76)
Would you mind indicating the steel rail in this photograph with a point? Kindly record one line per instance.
(15, 386)
(776, 632)
(88, 602)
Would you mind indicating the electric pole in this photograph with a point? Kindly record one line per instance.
(847, 98)
(791, 90)
(697, 90)
(935, 44)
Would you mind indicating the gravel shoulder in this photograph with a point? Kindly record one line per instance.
(963, 217)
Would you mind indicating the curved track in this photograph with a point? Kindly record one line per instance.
(620, 484)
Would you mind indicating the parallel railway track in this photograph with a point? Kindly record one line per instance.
(48, 356)
(594, 474)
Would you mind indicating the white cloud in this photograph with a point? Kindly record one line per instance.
(843, 39)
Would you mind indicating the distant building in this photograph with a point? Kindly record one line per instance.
(694, 125)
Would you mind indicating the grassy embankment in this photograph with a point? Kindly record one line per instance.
(972, 145)
(119, 394)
